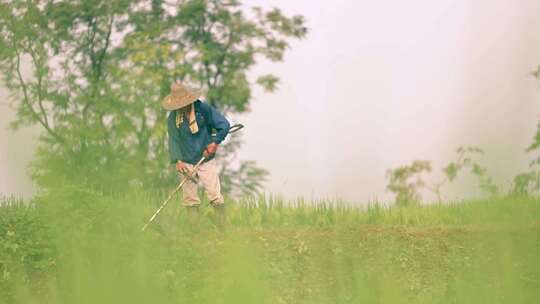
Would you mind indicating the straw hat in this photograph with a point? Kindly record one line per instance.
(180, 97)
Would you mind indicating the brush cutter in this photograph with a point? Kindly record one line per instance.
(187, 176)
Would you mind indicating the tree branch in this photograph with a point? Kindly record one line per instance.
(26, 101)
(103, 51)
(96, 58)
(39, 85)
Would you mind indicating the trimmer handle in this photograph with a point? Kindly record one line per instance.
(236, 128)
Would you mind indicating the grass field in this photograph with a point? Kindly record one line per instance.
(83, 247)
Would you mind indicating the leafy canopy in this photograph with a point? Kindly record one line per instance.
(91, 73)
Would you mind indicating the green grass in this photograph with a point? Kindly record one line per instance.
(83, 247)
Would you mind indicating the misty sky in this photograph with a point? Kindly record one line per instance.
(376, 85)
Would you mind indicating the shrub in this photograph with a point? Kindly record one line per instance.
(26, 249)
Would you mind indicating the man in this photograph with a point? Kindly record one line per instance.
(190, 126)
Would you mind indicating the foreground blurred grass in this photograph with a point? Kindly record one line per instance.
(77, 246)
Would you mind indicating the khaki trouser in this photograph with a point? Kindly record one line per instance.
(208, 175)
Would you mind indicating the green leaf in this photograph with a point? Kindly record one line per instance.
(268, 82)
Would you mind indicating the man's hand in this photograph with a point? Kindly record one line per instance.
(210, 150)
(182, 167)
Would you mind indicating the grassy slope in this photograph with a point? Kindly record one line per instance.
(478, 252)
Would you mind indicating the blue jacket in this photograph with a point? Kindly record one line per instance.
(189, 147)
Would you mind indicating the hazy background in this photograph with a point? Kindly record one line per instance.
(376, 85)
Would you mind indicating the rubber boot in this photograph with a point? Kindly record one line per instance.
(221, 218)
(193, 217)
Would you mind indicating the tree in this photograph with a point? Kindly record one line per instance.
(465, 160)
(91, 73)
(528, 182)
(406, 181)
